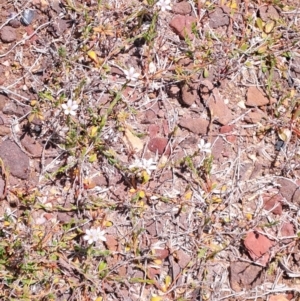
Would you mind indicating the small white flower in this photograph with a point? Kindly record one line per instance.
(131, 75)
(204, 147)
(144, 164)
(164, 4)
(152, 67)
(70, 107)
(94, 235)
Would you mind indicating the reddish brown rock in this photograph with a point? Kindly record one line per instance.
(258, 247)
(31, 145)
(254, 116)
(268, 12)
(2, 188)
(273, 203)
(182, 258)
(256, 97)
(4, 130)
(245, 276)
(158, 145)
(231, 138)
(189, 94)
(161, 253)
(111, 243)
(182, 8)
(153, 130)
(15, 161)
(14, 23)
(289, 190)
(182, 25)
(219, 109)
(226, 129)
(3, 101)
(219, 17)
(8, 34)
(149, 116)
(287, 229)
(197, 125)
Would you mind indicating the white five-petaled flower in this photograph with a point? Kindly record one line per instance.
(131, 75)
(204, 147)
(144, 164)
(164, 4)
(94, 235)
(70, 107)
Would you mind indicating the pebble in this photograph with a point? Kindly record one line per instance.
(8, 34)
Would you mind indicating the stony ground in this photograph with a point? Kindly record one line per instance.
(149, 150)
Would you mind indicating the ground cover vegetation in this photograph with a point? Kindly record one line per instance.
(149, 150)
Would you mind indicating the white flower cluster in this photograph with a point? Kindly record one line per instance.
(144, 164)
(94, 235)
(164, 4)
(204, 147)
(131, 75)
(70, 107)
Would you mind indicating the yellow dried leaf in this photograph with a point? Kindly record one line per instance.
(99, 299)
(108, 223)
(233, 4)
(248, 216)
(293, 92)
(260, 23)
(44, 4)
(92, 55)
(141, 194)
(262, 49)
(269, 26)
(284, 134)
(188, 195)
(216, 199)
(93, 158)
(93, 131)
(156, 298)
(145, 176)
(168, 280)
(30, 117)
(135, 142)
(157, 261)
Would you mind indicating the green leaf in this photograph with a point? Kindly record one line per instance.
(205, 73)
(260, 24)
(269, 26)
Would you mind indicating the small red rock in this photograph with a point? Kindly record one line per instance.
(182, 8)
(219, 17)
(231, 138)
(219, 109)
(14, 159)
(226, 129)
(258, 247)
(287, 229)
(158, 145)
(274, 203)
(8, 34)
(161, 253)
(153, 130)
(256, 97)
(189, 94)
(197, 125)
(182, 25)
(31, 145)
(254, 116)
